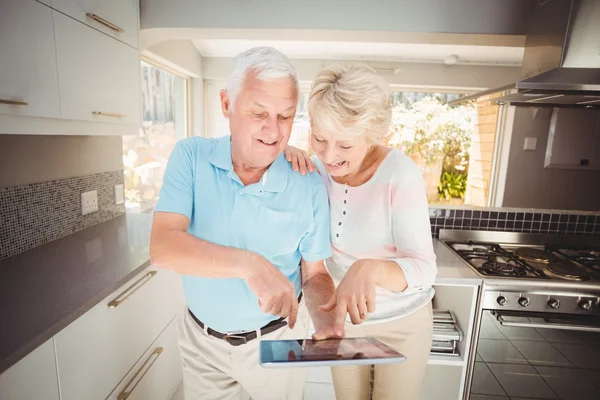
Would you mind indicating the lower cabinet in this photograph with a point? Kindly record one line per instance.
(123, 348)
(32, 378)
(157, 374)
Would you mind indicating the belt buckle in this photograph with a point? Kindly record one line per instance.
(227, 336)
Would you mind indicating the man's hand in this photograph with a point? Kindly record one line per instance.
(299, 159)
(276, 294)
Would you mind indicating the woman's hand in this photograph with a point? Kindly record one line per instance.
(299, 159)
(356, 293)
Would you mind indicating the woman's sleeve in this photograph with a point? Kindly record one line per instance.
(412, 232)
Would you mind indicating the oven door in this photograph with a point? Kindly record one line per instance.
(536, 356)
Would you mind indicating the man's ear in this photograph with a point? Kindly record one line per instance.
(225, 103)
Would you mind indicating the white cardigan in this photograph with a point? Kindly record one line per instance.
(385, 218)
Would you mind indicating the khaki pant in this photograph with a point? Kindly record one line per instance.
(411, 336)
(215, 370)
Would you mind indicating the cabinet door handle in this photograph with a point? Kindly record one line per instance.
(14, 102)
(139, 375)
(116, 302)
(109, 114)
(104, 22)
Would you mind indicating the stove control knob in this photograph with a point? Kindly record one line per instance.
(524, 302)
(553, 304)
(502, 301)
(585, 305)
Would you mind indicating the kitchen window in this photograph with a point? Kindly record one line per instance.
(453, 146)
(164, 123)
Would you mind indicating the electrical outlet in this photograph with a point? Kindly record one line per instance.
(119, 194)
(89, 202)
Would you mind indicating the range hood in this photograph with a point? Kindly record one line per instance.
(561, 62)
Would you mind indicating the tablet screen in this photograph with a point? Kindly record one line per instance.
(330, 350)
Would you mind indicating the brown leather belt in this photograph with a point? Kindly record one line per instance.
(238, 339)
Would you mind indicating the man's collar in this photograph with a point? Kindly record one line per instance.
(221, 155)
(275, 180)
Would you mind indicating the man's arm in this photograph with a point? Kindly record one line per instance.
(172, 247)
(319, 288)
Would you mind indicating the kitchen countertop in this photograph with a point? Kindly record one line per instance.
(45, 289)
(451, 269)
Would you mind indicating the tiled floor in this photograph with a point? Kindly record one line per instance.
(523, 363)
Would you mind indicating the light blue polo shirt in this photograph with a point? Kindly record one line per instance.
(284, 217)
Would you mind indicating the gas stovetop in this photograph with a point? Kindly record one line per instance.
(538, 274)
(527, 256)
(530, 261)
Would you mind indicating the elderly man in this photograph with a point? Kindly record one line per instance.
(249, 237)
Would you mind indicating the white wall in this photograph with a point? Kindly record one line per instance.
(26, 159)
(181, 55)
(457, 77)
(530, 185)
(456, 16)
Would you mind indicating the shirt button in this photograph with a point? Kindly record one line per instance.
(346, 190)
(344, 212)
(344, 201)
(337, 235)
(340, 224)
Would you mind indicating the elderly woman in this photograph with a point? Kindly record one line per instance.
(383, 262)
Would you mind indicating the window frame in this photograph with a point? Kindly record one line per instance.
(188, 89)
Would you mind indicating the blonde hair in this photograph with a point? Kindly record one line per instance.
(352, 100)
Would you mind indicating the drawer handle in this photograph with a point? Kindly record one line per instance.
(14, 102)
(104, 22)
(131, 290)
(140, 373)
(108, 114)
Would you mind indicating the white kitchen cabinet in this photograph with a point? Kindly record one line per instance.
(28, 75)
(117, 18)
(441, 382)
(99, 77)
(98, 350)
(157, 374)
(574, 139)
(33, 377)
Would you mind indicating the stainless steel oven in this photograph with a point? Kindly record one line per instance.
(537, 333)
(537, 344)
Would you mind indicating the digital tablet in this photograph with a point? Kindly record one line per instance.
(330, 352)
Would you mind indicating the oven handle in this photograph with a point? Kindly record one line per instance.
(569, 327)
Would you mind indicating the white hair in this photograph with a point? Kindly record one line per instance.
(267, 63)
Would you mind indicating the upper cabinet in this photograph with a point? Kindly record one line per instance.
(117, 18)
(99, 76)
(69, 67)
(574, 139)
(28, 75)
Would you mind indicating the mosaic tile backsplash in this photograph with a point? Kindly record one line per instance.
(31, 215)
(537, 221)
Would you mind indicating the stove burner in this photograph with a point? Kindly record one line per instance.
(566, 270)
(534, 255)
(504, 269)
(588, 256)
